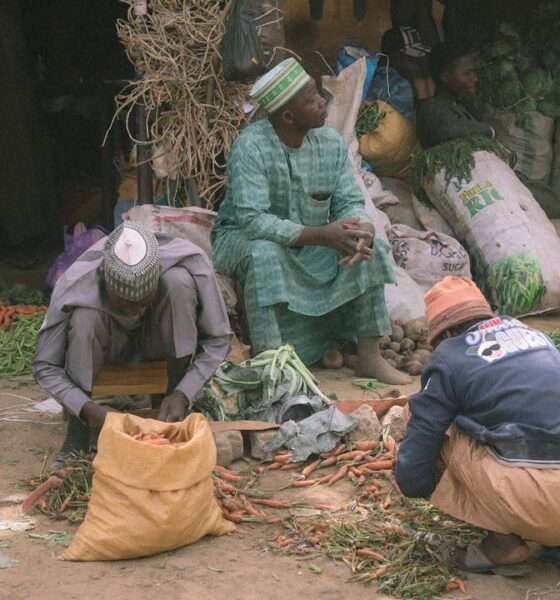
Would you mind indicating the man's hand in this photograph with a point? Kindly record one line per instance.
(174, 407)
(363, 250)
(94, 414)
(343, 236)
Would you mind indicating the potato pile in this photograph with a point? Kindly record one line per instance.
(407, 347)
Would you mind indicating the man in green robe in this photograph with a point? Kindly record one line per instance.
(293, 230)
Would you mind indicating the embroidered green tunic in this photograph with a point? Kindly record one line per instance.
(297, 295)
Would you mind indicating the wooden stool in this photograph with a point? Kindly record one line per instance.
(131, 380)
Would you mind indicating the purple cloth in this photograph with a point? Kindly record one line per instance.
(75, 244)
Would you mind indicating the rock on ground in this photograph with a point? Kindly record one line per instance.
(369, 427)
(394, 420)
(229, 447)
(258, 439)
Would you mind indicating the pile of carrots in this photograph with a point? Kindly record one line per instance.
(10, 312)
(354, 464)
(232, 489)
(154, 439)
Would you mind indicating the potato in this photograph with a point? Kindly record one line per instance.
(407, 345)
(400, 361)
(414, 330)
(350, 360)
(332, 359)
(384, 342)
(398, 322)
(395, 347)
(412, 367)
(423, 344)
(398, 334)
(422, 356)
(389, 354)
(391, 362)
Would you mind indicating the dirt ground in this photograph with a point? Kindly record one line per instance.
(236, 566)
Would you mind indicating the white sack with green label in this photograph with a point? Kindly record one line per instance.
(514, 248)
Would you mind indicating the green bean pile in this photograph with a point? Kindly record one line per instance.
(517, 283)
(18, 345)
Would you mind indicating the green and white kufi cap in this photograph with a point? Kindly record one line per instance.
(280, 85)
(131, 261)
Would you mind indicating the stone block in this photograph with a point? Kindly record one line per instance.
(258, 439)
(394, 420)
(369, 427)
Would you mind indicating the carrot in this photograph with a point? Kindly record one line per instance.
(379, 572)
(354, 455)
(366, 445)
(310, 468)
(156, 441)
(234, 517)
(387, 502)
(227, 474)
(295, 465)
(378, 465)
(273, 466)
(305, 482)
(251, 510)
(338, 475)
(283, 541)
(231, 477)
(390, 444)
(36, 494)
(456, 584)
(340, 448)
(328, 462)
(65, 504)
(361, 480)
(322, 507)
(283, 458)
(356, 471)
(272, 502)
(370, 553)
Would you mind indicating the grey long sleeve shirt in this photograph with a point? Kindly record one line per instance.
(80, 287)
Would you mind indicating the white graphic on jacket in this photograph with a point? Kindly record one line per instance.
(496, 338)
(489, 350)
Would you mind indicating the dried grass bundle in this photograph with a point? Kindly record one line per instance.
(195, 115)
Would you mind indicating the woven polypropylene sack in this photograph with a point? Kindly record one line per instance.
(149, 499)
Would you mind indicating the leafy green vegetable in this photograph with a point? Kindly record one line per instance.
(248, 390)
(369, 118)
(456, 157)
(18, 293)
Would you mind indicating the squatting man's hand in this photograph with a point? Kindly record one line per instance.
(94, 414)
(174, 407)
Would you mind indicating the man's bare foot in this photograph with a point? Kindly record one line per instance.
(380, 369)
(370, 363)
(500, 549)
(504, 549)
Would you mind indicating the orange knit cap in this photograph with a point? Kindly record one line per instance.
(453, 301)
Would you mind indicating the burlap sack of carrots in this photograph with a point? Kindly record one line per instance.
(390, 148)
(149, 498)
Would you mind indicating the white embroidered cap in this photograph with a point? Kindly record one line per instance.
(131, 261)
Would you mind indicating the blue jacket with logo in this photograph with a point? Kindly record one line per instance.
(498, 383)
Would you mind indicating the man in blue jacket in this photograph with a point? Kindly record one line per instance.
(483, 440)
